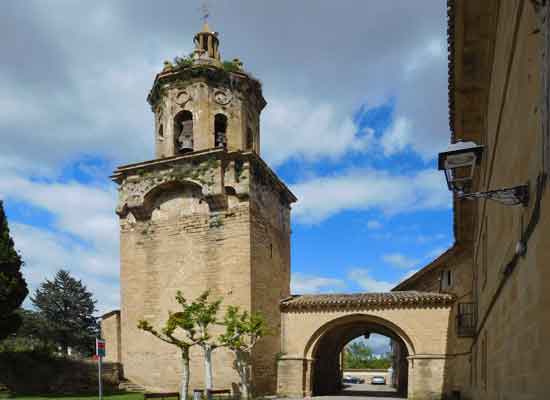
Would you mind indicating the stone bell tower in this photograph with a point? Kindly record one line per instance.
(206, 213)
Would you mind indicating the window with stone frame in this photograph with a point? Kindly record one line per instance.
(446, 279)
(466, 320)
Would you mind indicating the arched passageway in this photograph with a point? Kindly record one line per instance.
(315, 329)
(327, 367)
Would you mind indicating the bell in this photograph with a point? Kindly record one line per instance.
(185, 138)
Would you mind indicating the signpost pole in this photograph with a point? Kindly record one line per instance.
(100, 382)
(100, 353)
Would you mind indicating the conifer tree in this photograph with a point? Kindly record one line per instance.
(13, 288)
(69, 309)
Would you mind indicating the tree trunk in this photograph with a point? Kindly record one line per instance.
(184, 389)
(208, 370)
(243, 369)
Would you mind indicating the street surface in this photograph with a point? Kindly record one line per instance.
(363, 391)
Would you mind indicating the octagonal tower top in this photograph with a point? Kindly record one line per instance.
(201, 102)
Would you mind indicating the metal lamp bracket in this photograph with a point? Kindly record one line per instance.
(518, 195)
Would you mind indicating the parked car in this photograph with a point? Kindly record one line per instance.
(378, 380)
(352, 379)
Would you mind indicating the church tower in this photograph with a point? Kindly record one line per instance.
(206, 213)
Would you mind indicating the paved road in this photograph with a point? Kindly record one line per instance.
(364, 391)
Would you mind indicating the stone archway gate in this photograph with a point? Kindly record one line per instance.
(419, 319)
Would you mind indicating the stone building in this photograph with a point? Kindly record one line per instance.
(208, 213)
(498, 267)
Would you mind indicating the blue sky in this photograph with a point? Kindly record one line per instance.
(357, 112)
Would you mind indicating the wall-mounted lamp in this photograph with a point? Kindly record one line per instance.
(459, 162)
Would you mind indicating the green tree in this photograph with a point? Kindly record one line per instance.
(31, 336)
(359, 355)
(242, 333)
(187, 328)
(68, 307)
(204, 315)
(356, 355)
(13, 288)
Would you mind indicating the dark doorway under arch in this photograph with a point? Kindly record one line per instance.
(327, 369)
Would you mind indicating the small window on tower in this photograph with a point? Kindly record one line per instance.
(220, 131)
(161, 131)
(446, 279)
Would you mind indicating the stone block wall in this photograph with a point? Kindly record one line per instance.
(110, 332)
(220, 225)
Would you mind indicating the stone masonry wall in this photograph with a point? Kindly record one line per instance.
(191, 253)
(516, 329)
(232, 241)
(110, 332)
(424, 330)
(270, 252)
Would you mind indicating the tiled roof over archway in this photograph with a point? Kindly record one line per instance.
(384, 299)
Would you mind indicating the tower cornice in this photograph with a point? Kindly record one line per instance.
(208, 169)
(211, 74)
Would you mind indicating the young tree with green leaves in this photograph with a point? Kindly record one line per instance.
(242, 333)
(204, 315)
(68, 308)
(13, 288)
(194, 321)
(184, 321)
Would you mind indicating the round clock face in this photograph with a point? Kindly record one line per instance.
(183, 97)
(222, 97)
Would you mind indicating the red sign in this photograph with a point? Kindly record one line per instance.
(100, 347)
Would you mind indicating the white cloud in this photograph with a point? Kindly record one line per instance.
(304, 284)
(321, 197)
(364, 279)
(44, 253)
(400, 260)
(374, 224)
(296, 128)
(421, 115)
(82, 210)
(379, 344)
(397, 137)
(83, 238)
